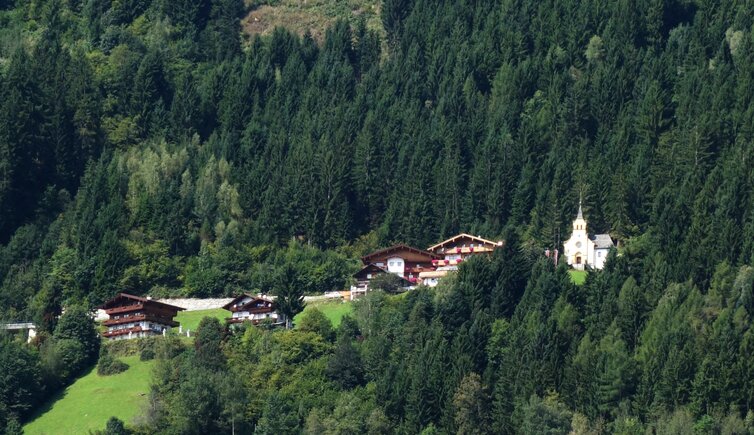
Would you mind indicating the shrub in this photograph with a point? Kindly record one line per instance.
(146, 355)
(115, 427)
(121, 348)
(313, 320)
(107, 365)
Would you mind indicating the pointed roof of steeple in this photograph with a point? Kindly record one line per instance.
(580, 215)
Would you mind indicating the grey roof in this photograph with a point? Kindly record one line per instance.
(602, 241)
(580, 215)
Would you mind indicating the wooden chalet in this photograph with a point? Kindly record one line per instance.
(135, 317)
(453, 252)
(253, 309)
(403, 260)
(366, 274)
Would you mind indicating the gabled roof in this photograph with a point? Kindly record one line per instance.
(120, 296)
(237, 299)
(377, 269)
(464, 236)
(602, 241)
(399, 247)
(371, 267)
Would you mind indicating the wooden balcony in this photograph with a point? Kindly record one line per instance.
(122, 320)
(140, 318)
(117, 332)
(125, 309)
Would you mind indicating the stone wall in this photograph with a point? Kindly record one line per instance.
(197, 304)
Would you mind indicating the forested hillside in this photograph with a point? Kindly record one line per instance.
(151, 146)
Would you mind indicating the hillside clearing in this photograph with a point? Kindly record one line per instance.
(91, 400)
(313, 16)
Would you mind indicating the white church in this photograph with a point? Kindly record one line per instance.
(585, 252)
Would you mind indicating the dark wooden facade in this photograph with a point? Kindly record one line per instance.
(402, 260)
(133, 317)
(253, 309)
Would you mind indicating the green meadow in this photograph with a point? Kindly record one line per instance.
(333, 310)
(88, 403)
(578, 276)
(190, 319)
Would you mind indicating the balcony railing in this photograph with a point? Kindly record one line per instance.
(124, 309)
(117, 332)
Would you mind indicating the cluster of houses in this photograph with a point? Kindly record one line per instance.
(133, 316)
(416, 266)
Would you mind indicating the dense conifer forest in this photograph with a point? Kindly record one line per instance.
(152, 147)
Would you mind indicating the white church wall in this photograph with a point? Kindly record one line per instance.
(600, 257)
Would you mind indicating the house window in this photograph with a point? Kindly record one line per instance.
(599, 254)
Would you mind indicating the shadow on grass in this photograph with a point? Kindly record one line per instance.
(60, 394)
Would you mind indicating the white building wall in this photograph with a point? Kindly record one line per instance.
(396, 265)
(579, 243)
(600, 257)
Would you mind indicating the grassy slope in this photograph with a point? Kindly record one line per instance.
(92, 400)
(578, 276)
(333, 310)
(190, 319)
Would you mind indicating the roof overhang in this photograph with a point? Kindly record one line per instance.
(464, 235)
(400, 247)
(146, 301)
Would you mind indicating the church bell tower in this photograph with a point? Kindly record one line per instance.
(579, 224)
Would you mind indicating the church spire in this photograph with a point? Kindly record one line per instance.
(580, 215)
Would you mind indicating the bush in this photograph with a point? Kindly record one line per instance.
(169, 348)
(107, 365)
(121, 348)
(146, 355)
(115, 427)
(313, 320)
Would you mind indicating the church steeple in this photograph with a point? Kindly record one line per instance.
(579, 224)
